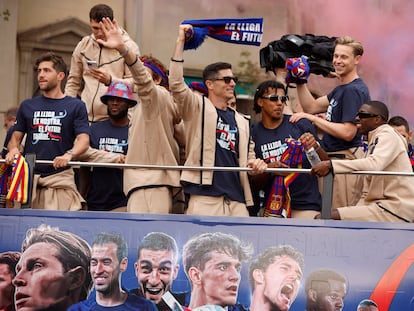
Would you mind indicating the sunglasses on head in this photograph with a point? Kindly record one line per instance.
(275, 98)
(366, 115)
(227, 79)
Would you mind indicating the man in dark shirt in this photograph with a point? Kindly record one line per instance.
(269, 136)
(109, 135)
(57, 129)
(341, 138)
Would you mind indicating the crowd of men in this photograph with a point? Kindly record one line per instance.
(97, 117)
(58, 270)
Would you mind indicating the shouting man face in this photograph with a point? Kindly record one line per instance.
(155, 270)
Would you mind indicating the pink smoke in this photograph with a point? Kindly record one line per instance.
(386, 30)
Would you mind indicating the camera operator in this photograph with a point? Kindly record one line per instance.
(340, 139)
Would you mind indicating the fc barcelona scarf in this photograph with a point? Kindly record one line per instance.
(278, 202)
(19, 187)
(247, 31)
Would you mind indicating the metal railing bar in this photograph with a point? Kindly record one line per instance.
(210, 168)
(171, 167)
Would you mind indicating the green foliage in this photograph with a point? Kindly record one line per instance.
(250, 73)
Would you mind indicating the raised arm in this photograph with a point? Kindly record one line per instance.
(114, 40)
(308, 102)
(179, 43)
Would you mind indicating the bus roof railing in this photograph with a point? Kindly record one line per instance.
(208, 168)
(327, 180)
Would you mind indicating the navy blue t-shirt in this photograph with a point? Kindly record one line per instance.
(51, 126)
(133, 302)
(270, 145)
(225, 183)
(344, 103)
(106, 191)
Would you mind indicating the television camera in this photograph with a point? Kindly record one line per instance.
(318, 50)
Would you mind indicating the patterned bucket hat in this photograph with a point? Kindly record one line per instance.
(120, 90)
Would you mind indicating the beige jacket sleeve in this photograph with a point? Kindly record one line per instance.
(96, 155)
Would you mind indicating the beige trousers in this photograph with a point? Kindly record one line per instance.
(215, 206)
(157, 200)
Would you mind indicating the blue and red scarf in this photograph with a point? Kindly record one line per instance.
(248, 31)
(278, 201)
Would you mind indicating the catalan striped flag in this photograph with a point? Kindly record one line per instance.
(19, 187)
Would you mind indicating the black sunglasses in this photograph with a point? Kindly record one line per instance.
(366, 115)
(227, 79)
(275, 98)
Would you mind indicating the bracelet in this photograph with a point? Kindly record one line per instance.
(70, 151)
(125, 53)
(129, 65)
(177, 60)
